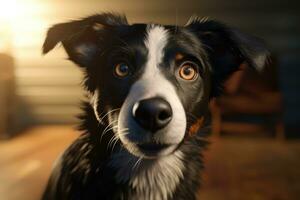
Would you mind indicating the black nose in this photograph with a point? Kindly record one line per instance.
(152, 114)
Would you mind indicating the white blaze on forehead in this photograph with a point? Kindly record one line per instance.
(155, 42)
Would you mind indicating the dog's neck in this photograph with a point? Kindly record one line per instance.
(152, 179)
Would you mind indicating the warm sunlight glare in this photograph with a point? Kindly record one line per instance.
(11, 9)
(21, 21)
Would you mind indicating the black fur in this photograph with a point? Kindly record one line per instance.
(82, 171)
(71, 180)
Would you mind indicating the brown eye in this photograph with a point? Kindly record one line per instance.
(121, 70)
(188, 71)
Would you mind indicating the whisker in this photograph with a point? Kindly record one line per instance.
(112, 140)
(120, 132)
(110, 126)
(107, 129)
(124, 134)
(137, 163)
(109, 112)
(115, 143)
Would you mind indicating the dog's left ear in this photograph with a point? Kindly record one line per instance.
(82, 38)
(227, 49)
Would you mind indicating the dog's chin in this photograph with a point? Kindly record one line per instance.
(151, 150)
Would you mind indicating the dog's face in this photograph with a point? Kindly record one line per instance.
(165, 79)
(148, 82)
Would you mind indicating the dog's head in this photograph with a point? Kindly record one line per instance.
(147, 80)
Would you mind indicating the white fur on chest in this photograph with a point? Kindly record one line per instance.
(154, 179)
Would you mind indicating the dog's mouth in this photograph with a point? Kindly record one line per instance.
(153, 149)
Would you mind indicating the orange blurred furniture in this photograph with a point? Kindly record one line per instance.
(251, 104)
(7, 97)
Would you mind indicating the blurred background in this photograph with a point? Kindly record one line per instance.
(255, 151)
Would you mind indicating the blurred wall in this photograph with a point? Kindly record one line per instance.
(49, 87)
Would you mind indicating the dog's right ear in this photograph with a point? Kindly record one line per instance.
(82, 38)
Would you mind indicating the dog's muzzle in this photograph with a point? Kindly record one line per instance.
(153, 118)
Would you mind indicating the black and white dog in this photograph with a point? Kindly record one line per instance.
(149, 87)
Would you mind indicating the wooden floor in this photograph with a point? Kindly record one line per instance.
(252, 169)
(26, 161)
(236, 168)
